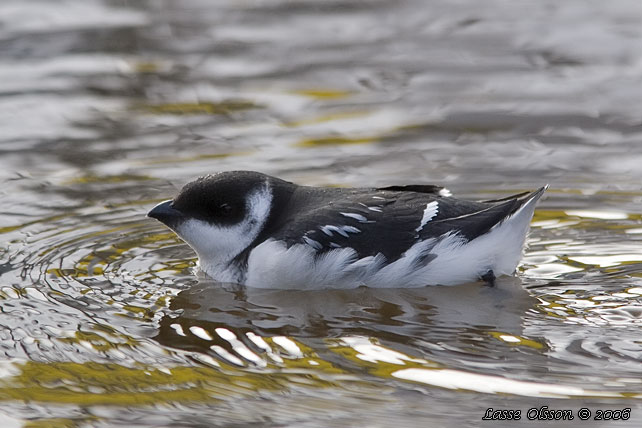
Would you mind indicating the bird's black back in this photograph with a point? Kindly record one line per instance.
(390, 217)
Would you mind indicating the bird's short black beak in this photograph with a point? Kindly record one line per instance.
(165, 213)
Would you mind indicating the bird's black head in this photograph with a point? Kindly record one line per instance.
(219, 215)
(218, 199)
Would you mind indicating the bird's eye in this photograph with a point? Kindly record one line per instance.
(225, 209)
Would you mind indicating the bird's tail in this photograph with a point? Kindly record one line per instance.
(514, 230)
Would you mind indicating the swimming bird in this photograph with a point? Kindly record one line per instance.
(260, 231)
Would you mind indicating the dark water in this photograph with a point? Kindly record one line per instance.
(107, 107)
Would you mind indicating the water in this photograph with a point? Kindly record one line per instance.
(107, 107)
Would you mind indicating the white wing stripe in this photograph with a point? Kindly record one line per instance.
(341, 230)
(431, 210)
(355, 216)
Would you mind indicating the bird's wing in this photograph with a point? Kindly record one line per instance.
(473, 219)
(385, 221)
(419, 188)
(368, 220)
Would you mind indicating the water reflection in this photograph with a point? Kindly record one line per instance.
(248, 327)
(331, 313)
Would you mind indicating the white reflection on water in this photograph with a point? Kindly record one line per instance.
(369, 351)
(602, 215)
(288, 345)
(456, 379)
(608, 260)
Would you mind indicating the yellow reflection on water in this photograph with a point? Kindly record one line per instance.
(176, 159)
(334, 141)
(93, 383)
(324, 94)
(199, 108)
(515, 340)
(104, 179)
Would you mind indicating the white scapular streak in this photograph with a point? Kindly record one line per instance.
(311, 242)
(341, 230)
(429, 212)
(358, 217)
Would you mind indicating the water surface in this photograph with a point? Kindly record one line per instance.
(108, 107)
